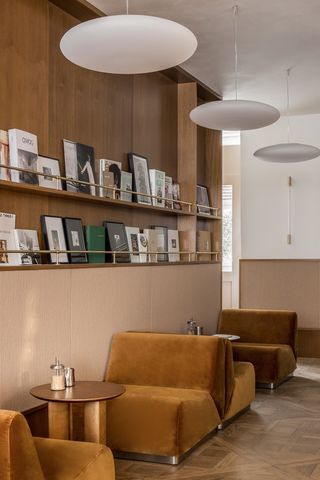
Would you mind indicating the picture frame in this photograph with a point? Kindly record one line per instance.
(116, 241)
(173, 246)
(111, 169)
(138, 166)
(52, 167)
(27, 242)
(75, 239)
(54, 237)
(176, 195)
(203, 200)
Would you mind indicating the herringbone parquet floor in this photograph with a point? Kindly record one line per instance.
(278, 439)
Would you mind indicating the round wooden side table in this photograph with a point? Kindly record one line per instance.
(92, 394)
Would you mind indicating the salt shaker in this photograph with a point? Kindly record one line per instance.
(57, 379)
(69, 377)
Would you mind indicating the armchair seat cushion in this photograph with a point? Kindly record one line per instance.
(272, 362)
(161, 420)
(244, 389)
(67, 460)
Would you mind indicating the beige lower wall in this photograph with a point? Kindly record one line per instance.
(74, 313)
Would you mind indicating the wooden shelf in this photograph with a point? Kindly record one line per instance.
(83, 197)
(208, 217)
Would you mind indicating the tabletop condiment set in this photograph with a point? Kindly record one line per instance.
(62, 376)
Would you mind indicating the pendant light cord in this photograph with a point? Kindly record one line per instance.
(235, 38)
(288, 105)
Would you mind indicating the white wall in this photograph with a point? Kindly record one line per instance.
(264, 194)
(231, 176)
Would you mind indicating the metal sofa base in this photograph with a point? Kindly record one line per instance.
(273, 386)
(171, 460)
(223, 425)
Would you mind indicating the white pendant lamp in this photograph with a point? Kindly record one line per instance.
(234, 114)
(288, 152)
(128, 44)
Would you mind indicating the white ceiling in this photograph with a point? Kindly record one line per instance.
(273, 36)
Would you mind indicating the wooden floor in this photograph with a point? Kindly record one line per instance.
(279, 438)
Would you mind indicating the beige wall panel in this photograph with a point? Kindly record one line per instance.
(184, 292)
(283, 284)
(105, 301)
(35, 327)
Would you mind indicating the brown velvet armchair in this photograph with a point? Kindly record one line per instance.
(23, 457)
(267, 340)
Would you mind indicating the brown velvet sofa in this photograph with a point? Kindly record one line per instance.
(23, 457)
(179, 389)
(267, 340)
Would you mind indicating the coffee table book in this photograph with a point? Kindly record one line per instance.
(23, 153)
(95, 240)
(75, 240)
(116, 241)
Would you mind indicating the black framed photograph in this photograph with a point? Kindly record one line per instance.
(54, 238)
(116, 241)
(203, 200)
(162, 242)
(139, 168)
(75, 240)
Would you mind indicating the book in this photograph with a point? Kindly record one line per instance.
(26, 241)
(162, 242)
(168, 192)
(70, 161)
(108, 181)
(152, 244)
(49, 166)
(157, 184)
(173, 246)
(176, 195)
(143, 248)
(126, 184)
(116, 241)
(95, 240)
(4, 155)
(54, 238)
(75, 240)
(113, 167)
(133, 243)
(7, 225)
(79, 165)
(203, 245)
(23, 153)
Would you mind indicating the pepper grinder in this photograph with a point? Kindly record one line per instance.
(57, 379)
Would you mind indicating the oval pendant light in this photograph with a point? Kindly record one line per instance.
(234, 114)
(128, 44)
(288, 152)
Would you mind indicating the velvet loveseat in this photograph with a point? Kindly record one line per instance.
(179, 389)
(23, 457)
(267, 340)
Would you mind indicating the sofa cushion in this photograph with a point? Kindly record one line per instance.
(244, 389)
(66, 460)
(272, 363)
(159, 420)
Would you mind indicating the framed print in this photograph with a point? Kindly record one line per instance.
(168, 192)
(157, 183)
(162, 242)
(133, 243)
(116, 241)
(109, 169)
(203, 200)
(75, 239)
(85, 166)
(176, 195)
(27, 242)
(138, 166)
(143, 247)
(173, 246)
(126, 184)
(49, 166)
(70, 162)
(54, 238)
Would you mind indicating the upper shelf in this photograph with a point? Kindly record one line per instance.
(83, 197)
(205, 216)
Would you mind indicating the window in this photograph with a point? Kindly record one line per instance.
(227, 228)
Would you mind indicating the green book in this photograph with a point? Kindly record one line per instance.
(95, 240)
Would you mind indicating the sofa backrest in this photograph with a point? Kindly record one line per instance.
(170, 360)
(260, 326)
(18, 457)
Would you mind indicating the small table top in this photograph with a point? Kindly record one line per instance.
(232, 338)
(80, 392)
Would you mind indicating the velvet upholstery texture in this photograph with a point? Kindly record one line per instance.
(267, 340)
(23, 457)
(244, 389)
(178, 389)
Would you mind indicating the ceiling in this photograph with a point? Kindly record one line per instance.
(273, 35)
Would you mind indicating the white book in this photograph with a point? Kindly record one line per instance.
(23, 153)
(168, 192)
(143, 248)
(133, 243)
(152, 244)
(157, 184)
(115, 168)
(70, 161)
(7, 225)
(173, 246)
(126, 184)
(26, 240)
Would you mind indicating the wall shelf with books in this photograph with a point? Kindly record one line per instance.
(204, 216)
